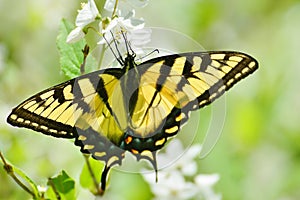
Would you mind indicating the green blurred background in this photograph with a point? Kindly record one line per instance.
(258, 153)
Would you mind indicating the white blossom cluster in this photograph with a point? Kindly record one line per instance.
(122, 20)
(180, 180)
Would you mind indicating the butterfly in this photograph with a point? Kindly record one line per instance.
(135, 108)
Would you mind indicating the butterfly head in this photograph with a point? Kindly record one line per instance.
(129, 61)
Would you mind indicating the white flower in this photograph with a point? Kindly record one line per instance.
(119, 24)
(138, 39)
(174, 182)
(205, 184)
(206, 180)
(131, 27)
(75, 35)
(86, 15)
(171, 186)
(177, 158)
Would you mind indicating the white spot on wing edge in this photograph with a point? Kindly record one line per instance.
(100, 154)
(160, 142)
(88, 147)
(53, 131)
(13, 117)
(238, 75)
(81, 137)
(20, 120)
(63, 132)
(252, 64)
(34, 124)
(245, 70)
(43, 127)
(172, 129)
(229, 82)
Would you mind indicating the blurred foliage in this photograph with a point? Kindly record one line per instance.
(64, 187)
(258, 154)
(71, 55)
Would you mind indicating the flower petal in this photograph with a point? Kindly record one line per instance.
(206, 180)
(87, 14)
(189, 169)
(140, 37)
(75, 35)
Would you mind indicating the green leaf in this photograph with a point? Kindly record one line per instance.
(86, 180)
(20, 173)
(62, 184)
(71, 56)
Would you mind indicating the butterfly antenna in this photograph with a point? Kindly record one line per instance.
(148, 54)
(119, 59)
(116, 46)
(127, 44)
(130, 47)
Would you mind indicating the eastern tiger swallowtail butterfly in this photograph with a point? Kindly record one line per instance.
(135, 108)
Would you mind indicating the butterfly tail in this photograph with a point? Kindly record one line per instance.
(104, 179)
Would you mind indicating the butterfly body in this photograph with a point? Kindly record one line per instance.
(135, 108)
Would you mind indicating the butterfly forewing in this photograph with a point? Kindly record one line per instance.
(50, 112)
(81, 102)
(224, 69)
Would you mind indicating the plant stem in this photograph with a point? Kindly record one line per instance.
(10, 171)
(85, 52)
(50, 182)
(86, 157)
(115, 9)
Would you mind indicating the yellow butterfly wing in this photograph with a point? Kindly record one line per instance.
(172, 86)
